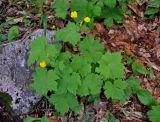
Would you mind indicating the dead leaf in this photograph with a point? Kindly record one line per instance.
(158, 53)
(99, 27)
(17, 20)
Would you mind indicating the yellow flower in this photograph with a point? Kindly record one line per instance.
(43, 64)
(87, 19)
(53, 27)
(74, 14)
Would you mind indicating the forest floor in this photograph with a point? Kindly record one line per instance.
(137, 39)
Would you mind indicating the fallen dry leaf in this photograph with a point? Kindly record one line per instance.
(99, 27)
(158, 54)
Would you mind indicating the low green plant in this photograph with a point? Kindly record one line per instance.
(3, 37)
(154, 113)
(88, 71)
(153, 8)
(31, 119)
(139, 69)
(85, 73)
(108, 10)
(13, 33)
(71, 75)
(111, 118)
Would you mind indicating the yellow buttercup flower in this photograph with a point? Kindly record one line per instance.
(87, 19)
(74, 14)
(43, 64)
(53, 27)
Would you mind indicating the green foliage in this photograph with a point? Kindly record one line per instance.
(111, 66)
(154, 114)
(64, 102)
(116, 90)
(151, 11)
(80, 65)
(91, 84)
(111, 15)
(128, 59)
(90, 70)
(40, 50)
(87, 51)
(5, 101)
(111, 118)
(3, 37)
(13, 33)
(60, 7)
(153, 7)
(31, 119)
(44, 80)
(10, 21)
(69, 34)
(108, 10)
(134, 85)
(139, 69)
(146, 98)
(71, 75)
(110, 3)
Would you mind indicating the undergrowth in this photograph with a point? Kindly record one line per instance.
(91, 69)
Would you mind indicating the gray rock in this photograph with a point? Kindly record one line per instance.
(15, 75)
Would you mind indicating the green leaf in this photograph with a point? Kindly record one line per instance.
(146, 97)
(91, 85)
(97, 10)
(128, 59)
(44, 81)
(60, 102)
(73, 83)
(37, 48)
(79, 5)
(111, 66)
(52, 51)
(64, 102)
(13, 33)
(85, 8)
(80, 64)
(41, 51)
(151, 73)
(110, 3)
(138, 68)
(91, 49)
(45, 119)
(111, 118)
(108, 22)
(134, 84)
(154, 114)
(65, 57)
(151, 11)
(69, 34)
(31, 119)
(60, 8)
(73, 103)
(3, 37)
(115, 90)
(10, 21)
(155, 3)
(69, 82)
(112, 14)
